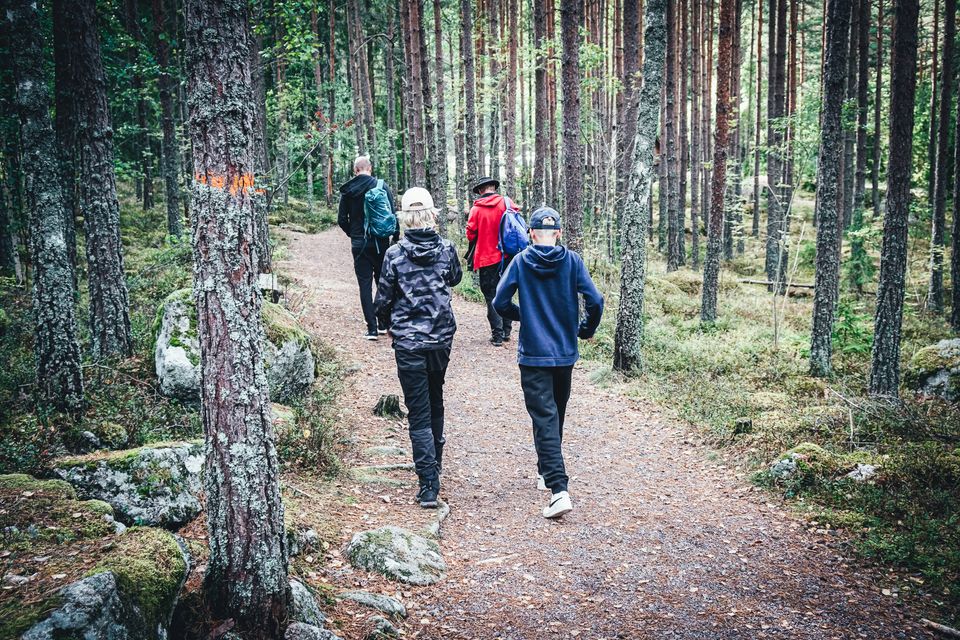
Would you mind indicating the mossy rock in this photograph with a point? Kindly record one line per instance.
(21, 482)
(935, 370)
(289, 362)
(398, 554)
(157, 485)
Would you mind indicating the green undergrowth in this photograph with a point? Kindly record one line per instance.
(297, 213)
(744, 384)
(311, 436)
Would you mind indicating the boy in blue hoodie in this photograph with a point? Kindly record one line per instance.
(550, 279)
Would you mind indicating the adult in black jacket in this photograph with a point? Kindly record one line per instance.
(368, 252)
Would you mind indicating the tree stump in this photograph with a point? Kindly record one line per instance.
(388, 406)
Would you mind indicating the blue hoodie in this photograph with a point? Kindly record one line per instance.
(549, 280)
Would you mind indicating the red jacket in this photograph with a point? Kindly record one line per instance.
(483, 225)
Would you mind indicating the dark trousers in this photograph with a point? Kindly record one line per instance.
(421, 376)
(367, 264)
(546, 391)
(489, 279)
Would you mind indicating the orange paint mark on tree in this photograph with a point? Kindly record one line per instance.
(233, 185)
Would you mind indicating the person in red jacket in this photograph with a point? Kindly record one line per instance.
(483, 228)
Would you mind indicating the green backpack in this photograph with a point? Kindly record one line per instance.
(379, 220)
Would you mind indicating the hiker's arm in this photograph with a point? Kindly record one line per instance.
(503, 301)
(455, 274)
(592, 303)
(386, 292)
(343, 216)
(472, 227)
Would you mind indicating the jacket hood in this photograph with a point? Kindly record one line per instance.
(422, 246)
(491, 200)
(358, 185)
(544, 261)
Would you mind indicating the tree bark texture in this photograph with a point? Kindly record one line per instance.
(829, 187)
(442, 179)
(863, 94)
(65, 123)
(670, 140)
(696, 9)
(885, 365)
(628, 339)
(541, 119)
(940, 175)
(756, 131)
(721, 145)
(109, 306)
(56, 351)
(141, 139)
(877, 101)
(170, 151)
(247, 572)
(571, 15)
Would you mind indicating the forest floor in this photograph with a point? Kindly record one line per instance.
(666, 539)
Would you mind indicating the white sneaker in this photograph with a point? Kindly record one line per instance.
(559, 505)
(541, 484)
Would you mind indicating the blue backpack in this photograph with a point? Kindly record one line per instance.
(514, 233)
(379, 220)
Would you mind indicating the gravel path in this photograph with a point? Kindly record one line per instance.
(662, 542)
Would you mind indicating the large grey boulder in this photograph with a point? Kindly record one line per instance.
(398, 554)
(288, 360)
(155, 486)
(935, 370)
(130, 596)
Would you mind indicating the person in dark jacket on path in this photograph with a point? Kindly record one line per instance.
(483, 228)
(367, 251)
(414, 302)
(550, 279)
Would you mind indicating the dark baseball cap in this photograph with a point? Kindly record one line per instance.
(545, 218)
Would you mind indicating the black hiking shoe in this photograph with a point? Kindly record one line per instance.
(506, 337)
(429, 495)
(496, 341)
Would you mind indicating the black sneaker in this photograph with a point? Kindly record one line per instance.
(506, 337)
(429, 496)
(496, 341)
(371, 335)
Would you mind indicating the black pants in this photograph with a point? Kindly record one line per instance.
(546, 391)
(489, 279)
(367, 264)
(421, 376)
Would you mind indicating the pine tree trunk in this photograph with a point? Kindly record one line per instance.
(955, 253)
(510, 118)
(885, 367)
(877, 101)
(141, 141)
(670, 140)
(571, 16)
(628, 338)
(829, 187)
(390, 79)
(863, 94)
(169, 156)
(541, 124)
(429, 116)
(721, 145)
(696, 9)
(934, 93)
(442, 180)
(109, 307)
(412, 28)
(630, 92)
(493, 53)
(773, 146)
(331, 94)
(56, 351)
(683, 139)
(849, 129)
(937, 241)
(66, 127)
(470, 89)
(459, 143)
(247, 582)
(756, 130)
(553, 193)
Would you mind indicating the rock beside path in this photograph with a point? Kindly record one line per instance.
(288, 360)
(131, 594)
(155, 486)
(301, 631)
(398, 554)
(935, 370)
(380, 602)
(382, 628)
(303, 606)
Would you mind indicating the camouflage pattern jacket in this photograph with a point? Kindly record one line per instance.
(413, 295)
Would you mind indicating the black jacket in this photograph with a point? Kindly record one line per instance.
(413, 296)
(350, 212)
